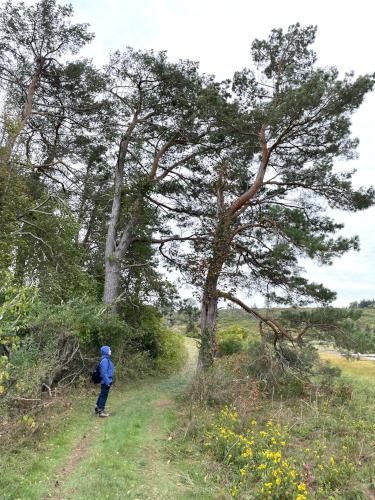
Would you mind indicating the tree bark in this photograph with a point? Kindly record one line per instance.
(113, 261)
(210, 298)
(115, 251)
(112, 281)
(208, 323)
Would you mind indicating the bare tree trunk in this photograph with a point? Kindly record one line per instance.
(113, 260)
(114, 249)
(112, 281)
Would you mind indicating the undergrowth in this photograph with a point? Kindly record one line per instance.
(272, 444)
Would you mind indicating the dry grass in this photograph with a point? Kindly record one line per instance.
(363, 369)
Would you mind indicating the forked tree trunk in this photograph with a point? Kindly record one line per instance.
(118, 243)
(114, 255)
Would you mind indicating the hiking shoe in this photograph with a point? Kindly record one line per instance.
(102, 414)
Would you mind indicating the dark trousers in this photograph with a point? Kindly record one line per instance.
(102, 399)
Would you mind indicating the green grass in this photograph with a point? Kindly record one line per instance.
(338, 422)
(151, 448)
(27, 469)
(129, 455)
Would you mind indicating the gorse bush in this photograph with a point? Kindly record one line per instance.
(233, 332)
(262, 460)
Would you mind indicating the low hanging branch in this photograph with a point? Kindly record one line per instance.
(331, 326)
(276, 327)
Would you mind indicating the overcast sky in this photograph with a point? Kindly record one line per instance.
(218, 34)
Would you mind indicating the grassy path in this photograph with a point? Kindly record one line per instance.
(125, 456)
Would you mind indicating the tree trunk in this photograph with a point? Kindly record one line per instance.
(27, 108)
(221, 248)
(115, 252)
(112, 281)
(26, 112)
(208, 323)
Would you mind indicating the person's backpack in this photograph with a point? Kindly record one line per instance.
(95, 375)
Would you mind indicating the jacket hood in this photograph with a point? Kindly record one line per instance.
(105, 350)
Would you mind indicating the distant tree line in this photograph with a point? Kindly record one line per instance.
(362, 304)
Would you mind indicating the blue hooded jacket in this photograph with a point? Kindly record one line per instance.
(106, 367)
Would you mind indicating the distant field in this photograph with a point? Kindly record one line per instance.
(362, 369)
(230, 317)
(239, 317)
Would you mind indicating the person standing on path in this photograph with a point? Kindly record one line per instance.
(107, 372)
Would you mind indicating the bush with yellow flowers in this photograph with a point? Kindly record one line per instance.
(257, 456)
(262, 461)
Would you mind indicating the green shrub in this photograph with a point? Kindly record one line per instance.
(171, 352)
(225, 382)
(136, 366)
(229, 346)
(231, 340)
(192, 331)
(282, 371)
(233, 332)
